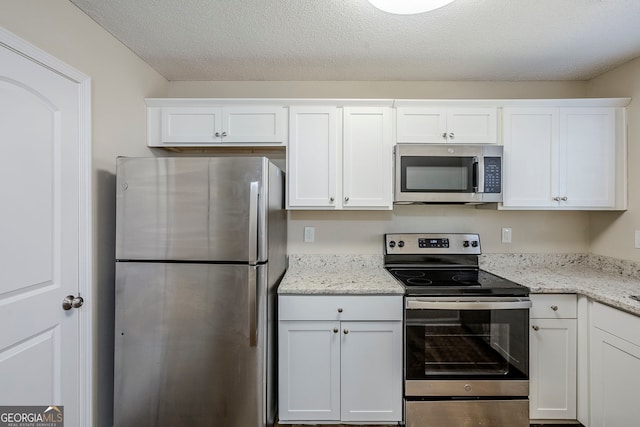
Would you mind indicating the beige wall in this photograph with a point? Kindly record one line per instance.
(361, 232)
(377, 89)
(120, 82)
(612, 234)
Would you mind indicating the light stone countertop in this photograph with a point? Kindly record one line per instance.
(603, 279)
(607, 280)
(338, 274)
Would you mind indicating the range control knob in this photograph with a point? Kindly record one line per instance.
(401, 244)
(465, 243)
(392, 244)
(474, 243)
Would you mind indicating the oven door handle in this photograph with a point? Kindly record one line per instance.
(502, 304)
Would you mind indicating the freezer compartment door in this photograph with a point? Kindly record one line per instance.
(208, 209)
(187, 350)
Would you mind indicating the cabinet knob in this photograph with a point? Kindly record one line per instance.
(224, 133)
(346, 331)
(535, 328)
(332, 199)
(564, 198)
(217, 134)
(452, 135)
(554, 307)
(557, 199)
(444, 135)
(346, 199)
(335, 330)
(340, 310)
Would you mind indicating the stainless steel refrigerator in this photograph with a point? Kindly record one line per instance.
(200, 250)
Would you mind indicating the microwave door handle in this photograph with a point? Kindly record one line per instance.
(475, 178)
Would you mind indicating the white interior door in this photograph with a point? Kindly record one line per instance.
(41, 220)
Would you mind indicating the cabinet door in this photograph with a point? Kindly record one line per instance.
(472, 125)
(531, 145)
(257, 124)
(367, 157)
(587, 157)
(615, 375)
(553, 369)
(312, 157)
(193, 125)
(421, 125)
(441, 125)
(309, 370)
(371, 387)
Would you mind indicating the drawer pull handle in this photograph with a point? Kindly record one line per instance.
(554, 307)
(535, 327)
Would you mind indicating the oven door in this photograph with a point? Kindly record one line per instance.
(467, 346)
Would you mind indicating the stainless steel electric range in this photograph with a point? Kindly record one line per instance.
(466, 335)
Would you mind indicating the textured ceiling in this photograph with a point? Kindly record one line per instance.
(351, 40)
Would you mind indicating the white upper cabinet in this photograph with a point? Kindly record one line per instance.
(194, 123)
(312, 157)
(339, 158)
(367, 158)
(530, 156)
(564, 158)
(461, 125)
(587, 154)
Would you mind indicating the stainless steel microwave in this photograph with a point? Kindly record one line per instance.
(448, 173)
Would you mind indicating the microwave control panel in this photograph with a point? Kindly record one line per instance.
(492, 175)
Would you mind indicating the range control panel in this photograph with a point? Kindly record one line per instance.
(432, 243)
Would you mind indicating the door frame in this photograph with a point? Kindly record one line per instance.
(85, 270)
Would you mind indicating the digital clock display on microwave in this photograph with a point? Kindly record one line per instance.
(433, 243)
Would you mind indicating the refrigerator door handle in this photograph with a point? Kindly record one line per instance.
(253, 307)
(253, 223)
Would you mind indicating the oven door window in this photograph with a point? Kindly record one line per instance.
(483, 344)
(438, 174)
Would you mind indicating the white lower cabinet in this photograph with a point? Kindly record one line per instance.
(340, 359)
(614, 367)
(553, 358)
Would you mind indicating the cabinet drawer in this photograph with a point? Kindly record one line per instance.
(342, 307)
(617, 322)
(553, 306)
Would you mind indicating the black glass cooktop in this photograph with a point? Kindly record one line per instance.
(424, 281)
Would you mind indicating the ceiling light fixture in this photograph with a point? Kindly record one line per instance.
(409, 7)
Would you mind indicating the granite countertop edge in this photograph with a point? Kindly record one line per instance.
(607, 280)
(338, 275)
